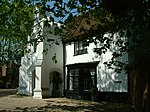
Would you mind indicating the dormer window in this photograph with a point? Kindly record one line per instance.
(79, 48)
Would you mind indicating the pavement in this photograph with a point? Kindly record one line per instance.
(11, 102)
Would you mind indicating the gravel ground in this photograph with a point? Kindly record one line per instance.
(10, 102)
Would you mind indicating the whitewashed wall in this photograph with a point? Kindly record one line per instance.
(106, 78)
(50, 66)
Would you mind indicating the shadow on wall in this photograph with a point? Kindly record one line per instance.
(109, 80)
(23, 79)
(26, 81)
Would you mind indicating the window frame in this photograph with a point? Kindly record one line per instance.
(81, 85)
(79, 48)
(73, 77)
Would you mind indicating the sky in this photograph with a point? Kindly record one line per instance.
(62, 19)
(51, 4)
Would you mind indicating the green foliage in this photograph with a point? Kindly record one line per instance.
(54, 58)
(90, 18)
(16, 22)
(128, 18)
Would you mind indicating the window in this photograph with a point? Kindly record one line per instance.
(79, 48)
(89, 78)
(73, 79)
(81, 77)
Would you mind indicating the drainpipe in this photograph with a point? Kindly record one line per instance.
(64, 66)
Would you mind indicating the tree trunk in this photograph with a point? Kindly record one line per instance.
(139, 82)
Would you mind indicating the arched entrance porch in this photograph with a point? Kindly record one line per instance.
(55, 84)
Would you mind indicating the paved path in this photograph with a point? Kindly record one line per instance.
(10, 102)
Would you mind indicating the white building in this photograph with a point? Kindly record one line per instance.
(85, 69)
(77, 70)
(39, 75)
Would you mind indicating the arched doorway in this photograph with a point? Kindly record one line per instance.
(56, 84)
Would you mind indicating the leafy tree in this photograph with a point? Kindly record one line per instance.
(127, 18)
(16, 23)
